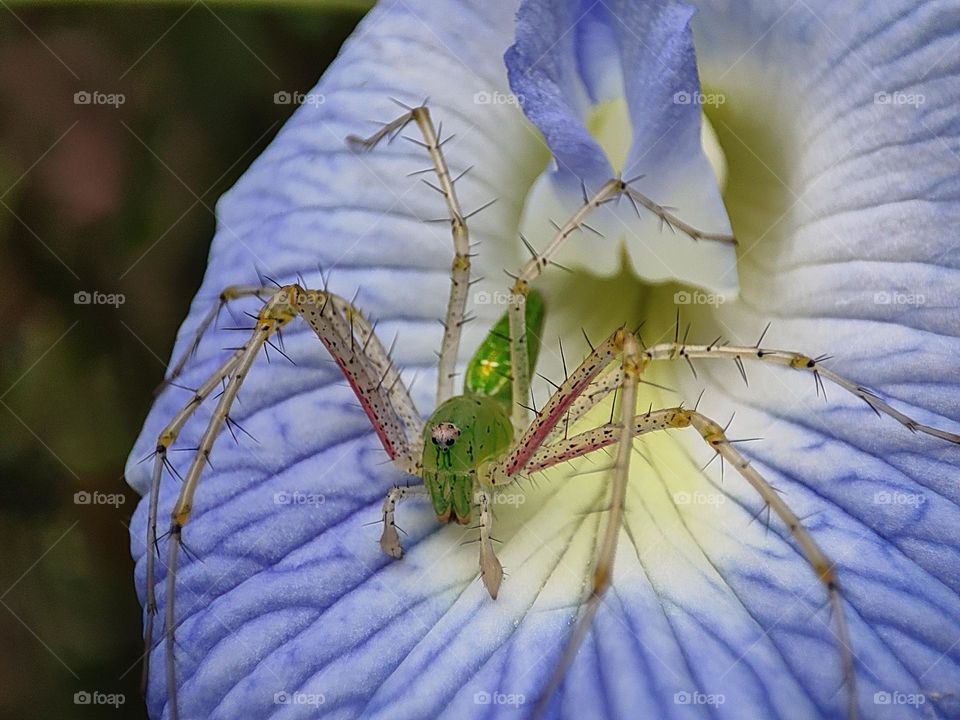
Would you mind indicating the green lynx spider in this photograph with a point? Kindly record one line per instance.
(475, 443)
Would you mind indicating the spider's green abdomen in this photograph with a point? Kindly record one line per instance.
(489, 370)
(463, 432)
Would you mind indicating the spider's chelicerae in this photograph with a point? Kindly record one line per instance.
(477, 442)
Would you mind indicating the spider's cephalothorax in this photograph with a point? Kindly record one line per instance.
(475, 427)
(450, 457)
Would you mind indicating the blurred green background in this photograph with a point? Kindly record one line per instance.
(110, 197)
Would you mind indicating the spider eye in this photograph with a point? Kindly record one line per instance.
(444, 435)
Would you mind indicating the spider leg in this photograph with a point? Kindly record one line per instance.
(597, 438)
(274, 314)
(171, 432)
(509, 468)
(390, 539)
(713, 434)
(367, 367)
(541, 447)
(491, 571)
(564, 400)
(387, 375)
(234, 292)
(824, 567)
(534, 267)
(605, 384)
(460, 269)
(796, 361)
(365, 363)
(168, 436)
(622, 432)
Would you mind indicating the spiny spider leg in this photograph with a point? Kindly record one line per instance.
(632, 364)
(534, 267)
(234, 292)
(390, 540)
(460, 269)
(367, 367)
(508, 468)
(824, 567)
(797, 361)
(272, 317)
(387, 373)
(713, 434)
(630, 426)
(491, 571)
(605, 384)
(552, 414)
(375, 382)
(168, 436)
(597, 438)
(533, 454)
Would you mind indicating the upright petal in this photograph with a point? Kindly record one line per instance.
(614, 87)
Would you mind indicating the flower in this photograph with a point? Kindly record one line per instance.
(834, 141)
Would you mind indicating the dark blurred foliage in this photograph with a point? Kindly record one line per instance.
(113, 200)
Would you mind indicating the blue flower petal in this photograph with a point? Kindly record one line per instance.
(544, 73)
(291, 610)
(572, 62)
